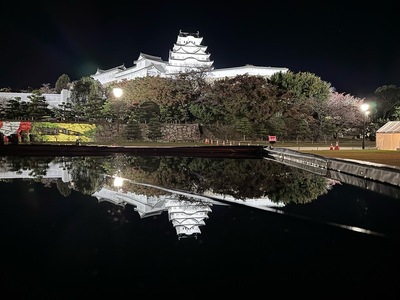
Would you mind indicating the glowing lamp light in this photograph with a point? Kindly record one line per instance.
(365, 107)
(118, 182)
(117, 92)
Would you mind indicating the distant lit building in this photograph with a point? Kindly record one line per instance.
(187, 54)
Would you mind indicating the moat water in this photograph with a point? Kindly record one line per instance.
(79, 227)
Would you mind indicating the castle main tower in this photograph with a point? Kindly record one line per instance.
(188, 54)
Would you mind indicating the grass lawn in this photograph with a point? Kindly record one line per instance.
(350, 149)
(386, 157)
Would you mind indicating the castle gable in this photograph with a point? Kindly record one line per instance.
(115, 69)
(143, 56)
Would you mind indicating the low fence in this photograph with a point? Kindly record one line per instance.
(322, 165)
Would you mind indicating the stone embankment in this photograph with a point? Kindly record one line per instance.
(325, 166)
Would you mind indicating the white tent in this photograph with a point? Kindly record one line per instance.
(388, 136)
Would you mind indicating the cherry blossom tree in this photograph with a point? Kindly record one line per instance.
(343, 113)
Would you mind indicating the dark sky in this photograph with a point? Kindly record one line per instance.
(354, 47)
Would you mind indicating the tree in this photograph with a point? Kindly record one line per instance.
(37, 106)
(388, 97)
(140, 98)
(303, 85)
(5, 90)
(86, 88)
(342, 113)
(277, 126)
(64, 112)
(12, 108)
(154, 132)
(62, 82)
(2, 111)
(174, 96)
(303, 96)
(187, 91)
(88, 98)
(142, 89)
(147, 110)
(133, 131)
(207, 112)
(46, 89)
(244, 126)
(396, 114)
(230, 101)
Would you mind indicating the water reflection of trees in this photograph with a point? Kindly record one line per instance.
(257, 179)
(36, 165)
(87, 173)
(240, 178)
(63, 187)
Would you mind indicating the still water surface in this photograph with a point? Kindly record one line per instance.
(79, 227)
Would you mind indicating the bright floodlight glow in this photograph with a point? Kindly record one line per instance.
(118, 181)
(364, 107)
(117, 92)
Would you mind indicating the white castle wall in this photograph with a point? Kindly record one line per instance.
(54, 100)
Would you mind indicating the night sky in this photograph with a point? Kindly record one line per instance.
(354, 47)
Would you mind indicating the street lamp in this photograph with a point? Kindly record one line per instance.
(118, 182)
(117, 94)
(364, 108)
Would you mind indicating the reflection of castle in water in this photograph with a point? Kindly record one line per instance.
(185, 215)
(186, 212)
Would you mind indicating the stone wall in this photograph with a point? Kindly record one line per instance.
(65, 132)
(176, 132)
(170, 132)
(181, 132)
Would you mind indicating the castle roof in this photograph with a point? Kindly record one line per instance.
(185, 34)
(149, 57)
(118, 68)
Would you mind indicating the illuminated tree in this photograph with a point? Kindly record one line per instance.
(342, 113)
(62, 82)
(302, 96)
(88, 99)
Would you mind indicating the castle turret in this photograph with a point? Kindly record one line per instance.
(189, 54)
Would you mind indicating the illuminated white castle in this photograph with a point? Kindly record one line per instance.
(187, 54)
